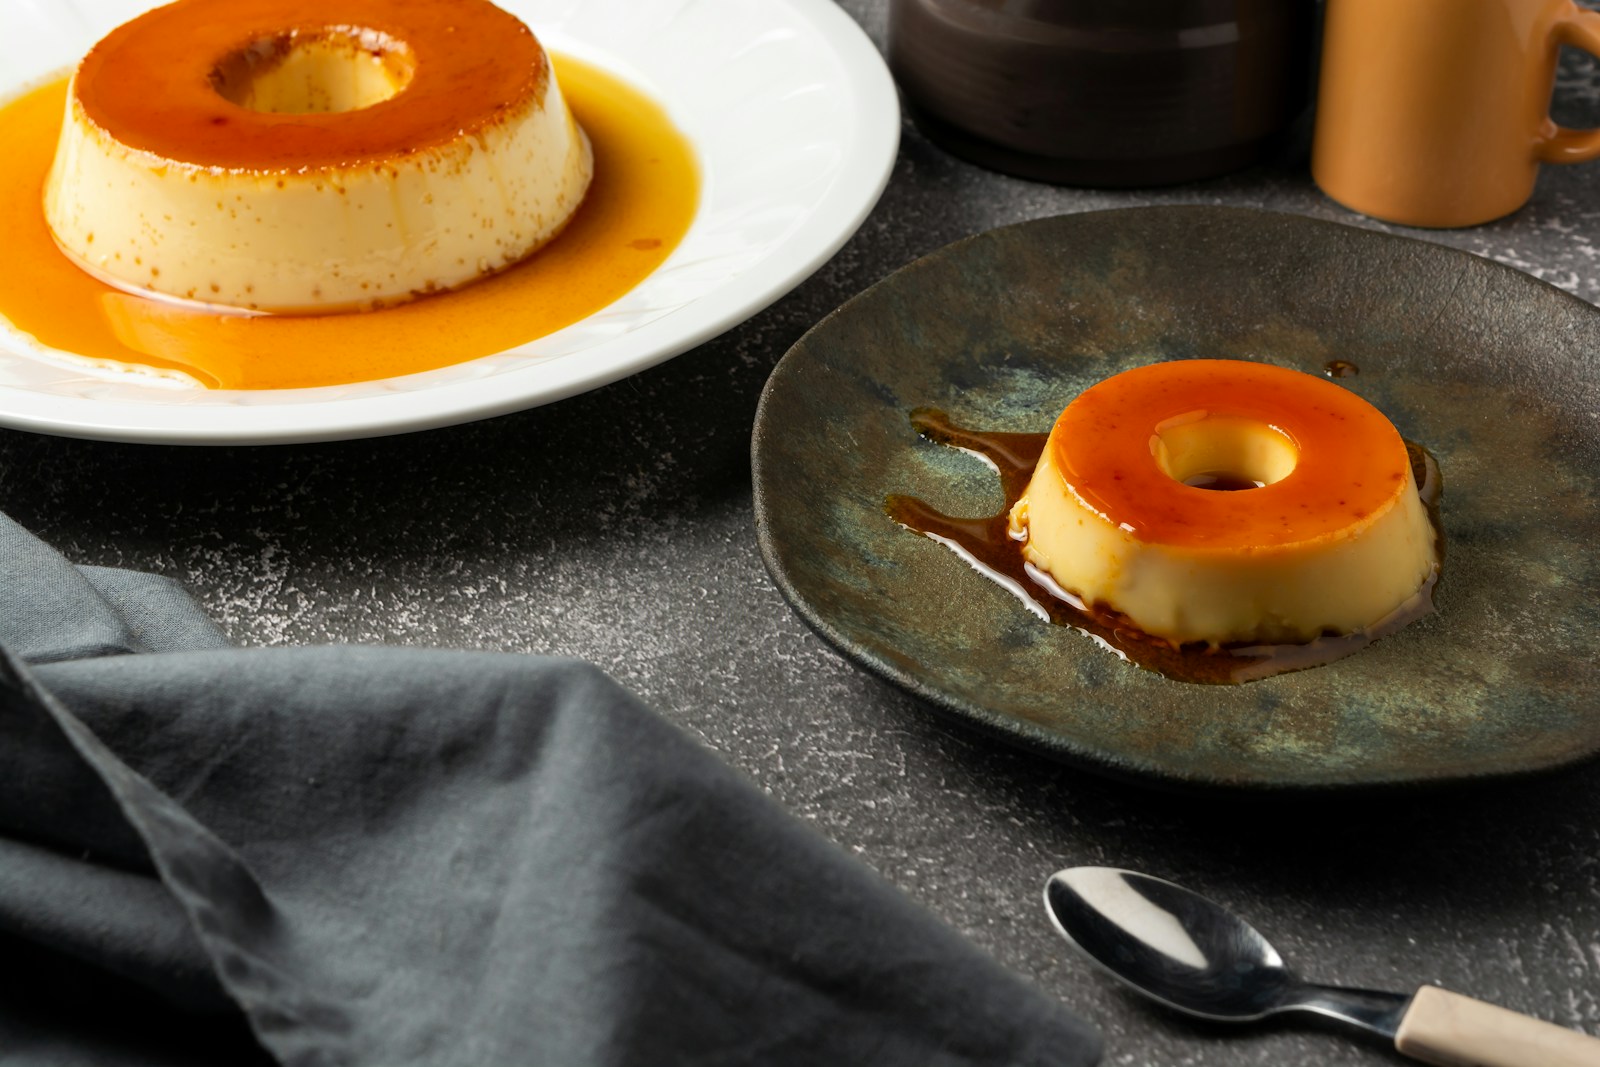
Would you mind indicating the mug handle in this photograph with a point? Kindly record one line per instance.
(1581, 29)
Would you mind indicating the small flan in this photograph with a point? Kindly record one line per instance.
(1227, 502)
(305, 156)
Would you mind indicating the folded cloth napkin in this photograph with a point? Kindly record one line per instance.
(346, 855)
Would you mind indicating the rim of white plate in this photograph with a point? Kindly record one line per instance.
(796, 123)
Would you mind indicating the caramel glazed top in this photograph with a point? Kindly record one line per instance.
(153, 84)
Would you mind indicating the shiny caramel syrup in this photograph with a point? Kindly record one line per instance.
(643, 198)
(987, 545)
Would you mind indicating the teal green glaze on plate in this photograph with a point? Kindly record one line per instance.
(1497, 373)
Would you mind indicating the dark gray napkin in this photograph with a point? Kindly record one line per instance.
(391, 857)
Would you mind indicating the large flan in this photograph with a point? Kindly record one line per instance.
(306, 156)
(1227, 502)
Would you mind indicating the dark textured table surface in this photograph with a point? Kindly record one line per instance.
(616, 527)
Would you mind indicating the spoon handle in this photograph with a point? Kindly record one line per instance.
(1451, 1030)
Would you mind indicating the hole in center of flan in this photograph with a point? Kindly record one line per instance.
(1222, 452)
(302, 72)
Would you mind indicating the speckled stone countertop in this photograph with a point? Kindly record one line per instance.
(616, 527)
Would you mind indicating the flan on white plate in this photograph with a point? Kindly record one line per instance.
(305, 156)
(1323, 529)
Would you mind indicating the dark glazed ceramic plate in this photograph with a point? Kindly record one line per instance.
(1496, 372)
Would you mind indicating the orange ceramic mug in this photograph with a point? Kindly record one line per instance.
(1437, 112)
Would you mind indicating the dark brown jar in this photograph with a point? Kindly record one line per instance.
(1104, 92)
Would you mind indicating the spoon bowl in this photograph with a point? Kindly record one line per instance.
(1169, 943)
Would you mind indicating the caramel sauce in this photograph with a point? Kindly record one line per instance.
(643, 198)
(986, 543)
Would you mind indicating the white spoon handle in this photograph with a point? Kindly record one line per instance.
(1450, 1030)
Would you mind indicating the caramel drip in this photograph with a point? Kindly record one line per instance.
(986, 543)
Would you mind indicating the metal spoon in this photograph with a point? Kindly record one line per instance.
(1191, 954)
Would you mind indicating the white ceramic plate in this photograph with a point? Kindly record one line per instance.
(795, 121)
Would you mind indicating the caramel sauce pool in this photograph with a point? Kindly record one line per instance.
(986, 543)
(644, 195)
